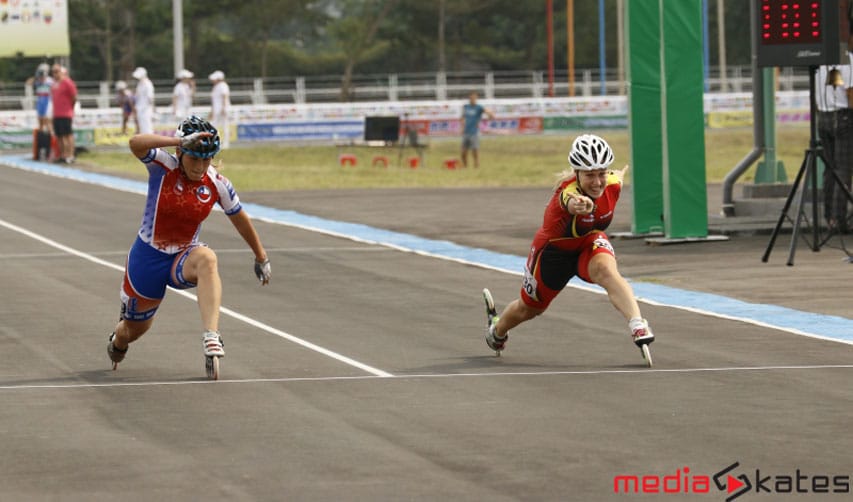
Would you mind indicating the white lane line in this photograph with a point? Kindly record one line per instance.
(315, 249)
(236, 315)
(40, 256)
(292, 250)
(730, 369)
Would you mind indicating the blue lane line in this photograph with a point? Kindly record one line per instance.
(806, 323)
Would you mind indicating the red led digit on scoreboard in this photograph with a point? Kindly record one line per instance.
(790, 21)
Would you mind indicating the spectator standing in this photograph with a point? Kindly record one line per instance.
(144, 101)
(125, 101)
(182, 95)
(220, 105)
(42, 84)
(834, 97)
(472, 113)
(64, 97)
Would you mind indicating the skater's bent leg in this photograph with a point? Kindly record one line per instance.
(201, 268)
(514, 314)
(603, 271)
(128, 332)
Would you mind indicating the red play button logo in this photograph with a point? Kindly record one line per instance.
(733, 484)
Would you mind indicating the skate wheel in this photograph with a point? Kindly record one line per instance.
(647, 354)
(115, 366)
(490, 302)
(211, 364)
(497, 353)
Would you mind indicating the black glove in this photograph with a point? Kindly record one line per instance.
(192, 140)
(263, 271)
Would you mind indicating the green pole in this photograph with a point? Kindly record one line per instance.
(644, 114)
(681, 102)
(770, 170)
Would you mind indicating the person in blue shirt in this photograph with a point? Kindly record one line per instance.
(472, 113)
(41, 87)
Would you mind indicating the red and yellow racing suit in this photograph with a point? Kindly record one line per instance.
(565, 243)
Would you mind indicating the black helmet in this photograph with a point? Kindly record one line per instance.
(206, 147)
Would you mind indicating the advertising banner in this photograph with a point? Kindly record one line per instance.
(341, 129)
(530, 125)
(722, 120)
(23, 138)
(420, 126)
(447, 127)
(112, 136)
(503, 126)
(585, 122)
(34, 28)
(719, 120)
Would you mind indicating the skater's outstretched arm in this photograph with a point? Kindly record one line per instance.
(247, 231)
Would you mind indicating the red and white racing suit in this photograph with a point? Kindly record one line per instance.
(175, 208)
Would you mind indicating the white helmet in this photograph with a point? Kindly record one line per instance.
(590, 152)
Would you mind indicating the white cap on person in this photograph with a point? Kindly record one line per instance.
(140, 73)
(121, 85)
(185, 74)
(217, 75)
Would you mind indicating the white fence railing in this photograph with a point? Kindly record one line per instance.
(401, 87)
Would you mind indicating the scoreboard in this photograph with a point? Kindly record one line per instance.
(798, 32)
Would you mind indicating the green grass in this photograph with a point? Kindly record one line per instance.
(504, 161)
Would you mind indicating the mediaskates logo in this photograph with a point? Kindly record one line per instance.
(733, 482)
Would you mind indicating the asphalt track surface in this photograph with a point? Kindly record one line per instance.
(360, 372)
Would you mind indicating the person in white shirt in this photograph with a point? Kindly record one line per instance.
(833, 97)
(182, 94)
(144, 101)
(220, 104)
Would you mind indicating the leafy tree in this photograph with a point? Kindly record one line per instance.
(355, 32)
(339, 37)
(260, 23)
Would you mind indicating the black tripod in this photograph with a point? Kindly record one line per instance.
(808, 171)
(410, 136)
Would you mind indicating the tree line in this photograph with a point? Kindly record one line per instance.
(270, 38)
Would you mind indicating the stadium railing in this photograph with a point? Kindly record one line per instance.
(398, 87)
